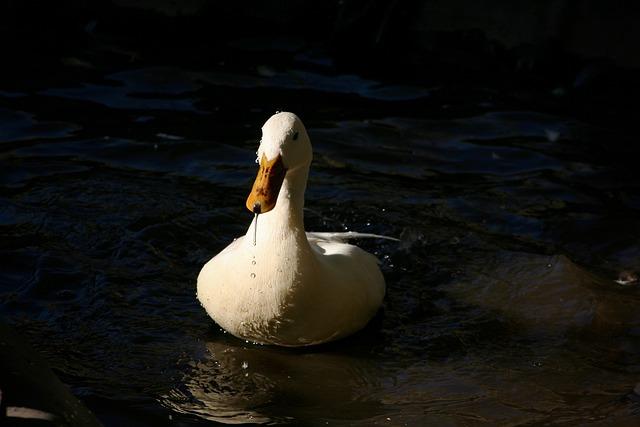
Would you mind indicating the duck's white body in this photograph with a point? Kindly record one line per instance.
(290, 288)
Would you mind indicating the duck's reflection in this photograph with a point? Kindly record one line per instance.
(237, 383)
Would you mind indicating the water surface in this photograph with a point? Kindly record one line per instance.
(501, 308)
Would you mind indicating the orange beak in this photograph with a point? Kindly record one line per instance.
(264, 194)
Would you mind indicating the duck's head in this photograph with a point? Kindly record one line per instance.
(284, 146)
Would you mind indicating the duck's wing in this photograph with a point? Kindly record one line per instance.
(342, 237)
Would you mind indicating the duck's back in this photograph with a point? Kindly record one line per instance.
(352, 282)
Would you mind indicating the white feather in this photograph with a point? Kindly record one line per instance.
(291, 288)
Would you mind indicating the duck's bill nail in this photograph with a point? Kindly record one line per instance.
(266, 187)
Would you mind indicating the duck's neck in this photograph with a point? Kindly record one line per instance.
(286, 220)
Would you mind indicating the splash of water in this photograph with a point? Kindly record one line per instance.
(255, 229)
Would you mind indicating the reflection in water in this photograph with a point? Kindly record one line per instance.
(502, 382)
(248, 383)
(549, 294)
(546, 293)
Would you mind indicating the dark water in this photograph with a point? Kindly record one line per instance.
(502, 305)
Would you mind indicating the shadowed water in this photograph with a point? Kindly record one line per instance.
(501, 306)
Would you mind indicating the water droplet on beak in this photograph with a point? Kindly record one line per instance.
(255, 225)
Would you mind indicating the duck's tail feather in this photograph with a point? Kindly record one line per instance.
(347, 235)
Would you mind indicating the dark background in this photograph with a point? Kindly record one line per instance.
(578, 57)
(483, 133)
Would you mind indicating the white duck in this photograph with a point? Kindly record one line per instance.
(278, 284)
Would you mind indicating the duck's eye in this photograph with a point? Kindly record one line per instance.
(295, 136)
